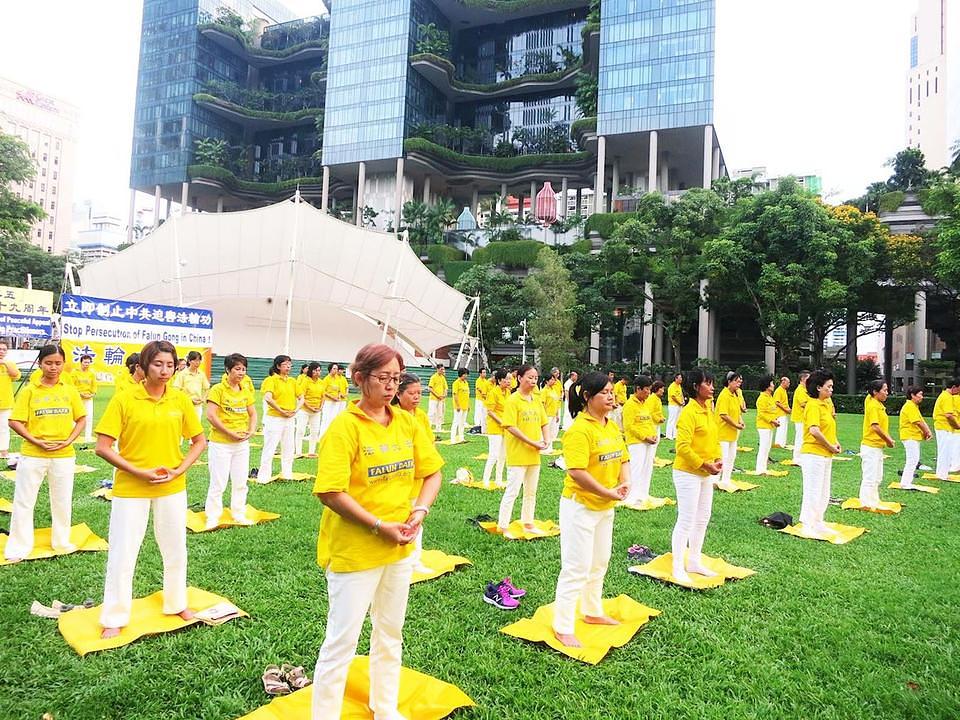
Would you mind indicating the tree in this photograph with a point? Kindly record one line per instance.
(909, 170)
(17, 216)
(210, 151)
(18, 258)
(502, 305)
(588, 88)
(415, 221)
(552, 296)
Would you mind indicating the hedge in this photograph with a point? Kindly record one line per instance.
(439, 254)
(582, 126)
(519, 254)
(891, 201)
(213, 172)
(262, 114)
(605, 223)
(452, 270)
(491, 162)
(853, 404)
(242, 39)
(490, 87)
(507, 5)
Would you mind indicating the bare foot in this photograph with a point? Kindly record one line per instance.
(108, 633)
(700, 570)
(186, 614)
(567, 639)
(600, 620)
(680, 576)
(13, 561)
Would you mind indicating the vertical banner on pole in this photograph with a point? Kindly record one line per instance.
(109, 330)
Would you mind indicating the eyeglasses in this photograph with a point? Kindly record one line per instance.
(387, 379)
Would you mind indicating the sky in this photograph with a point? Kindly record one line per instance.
(812, 87)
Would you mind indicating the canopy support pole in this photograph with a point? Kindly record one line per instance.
(393, 284)
(293, 270)
(466, 332)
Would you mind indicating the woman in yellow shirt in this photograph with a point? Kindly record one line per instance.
(946, 424)
(480, 387)
(148, 422)
(8, 374)
(655, 401)
(437, 398)
(409, 392)
(782, 399)
(300, 419)
(675, 403)
(729, 409)
(461, 404)
(335, 391)
(816, 459)
(48, 415)
(768, 420)
(698, 462)
(875, 436)
(312, 390)
(497, 396)
(552, 394)
(193, 381)
(913, 431)
(85, 381)
(524, 422)
(800, 398)
(620, 394)
(597, 479)
(370, 461)
(280, 394)
(641, 439)
(233, 419)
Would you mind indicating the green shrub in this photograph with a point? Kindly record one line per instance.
(262, 114)
(605, 223)
(231, 180)
(891, 201)
(518, 254)
(489, 162)
(440, 254)
(243, 40)
(453, 269)
(451, 70)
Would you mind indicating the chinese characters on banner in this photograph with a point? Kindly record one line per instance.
(109, 330)
(25, 313)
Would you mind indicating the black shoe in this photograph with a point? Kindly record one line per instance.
(253, 472)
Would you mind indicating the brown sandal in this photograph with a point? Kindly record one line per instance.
(295, 676)
(273, 681)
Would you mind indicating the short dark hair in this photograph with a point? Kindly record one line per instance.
(763, 384)
(154, 348)
(642, 381)
(406, 380)
(875, 386)
(277, 362)
(817, 379)
(500, 374)
(524, 369)
(912, 390)
(191, 356)
(332, 365)
(462, 371)
(311, 367)
(86, 357)
(48, 350)
(232, 360)
(132, 361)
(730, 377)
(657, 384)
(694, 379)
(953, 382)
(592, 383)
(305, 366)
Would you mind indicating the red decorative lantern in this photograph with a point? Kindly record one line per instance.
(546, 205)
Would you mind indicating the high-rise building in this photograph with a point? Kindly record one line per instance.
(763, 181)
(384, 101)
(49, 127)
(933, 82)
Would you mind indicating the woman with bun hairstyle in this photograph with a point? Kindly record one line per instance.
(597, 478)
(279, 426)
(816, 458)
(698, 462)
(876, 437)
(729, 411)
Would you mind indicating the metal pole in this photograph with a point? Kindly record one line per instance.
(523, 339)
(293, 270)
(176, 262)
(394, 283)
(466, 332)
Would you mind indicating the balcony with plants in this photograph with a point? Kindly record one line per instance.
(302, 39)
(260, 108)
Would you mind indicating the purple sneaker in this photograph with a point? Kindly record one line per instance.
(514, 591)
(497, 595)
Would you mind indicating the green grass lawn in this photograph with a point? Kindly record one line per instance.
(867, 629)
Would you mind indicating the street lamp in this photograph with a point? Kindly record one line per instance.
(523, 341)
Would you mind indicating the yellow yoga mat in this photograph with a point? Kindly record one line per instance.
(6, 506)
(661, 568)
(662, 462)
(744, 449)
(844, 533)
(80, 535)
(768, 473)
(789, 463)
(516, 530)
(104, 493)
(294, 477)
(477, 485)
(481, 456)
(81, 627)
(421, 698)
(439, 563)
(736, 486)
(914, 488)
(197, 521)
(950, 478)
(884, 508)
(651, 503)
(597, 639)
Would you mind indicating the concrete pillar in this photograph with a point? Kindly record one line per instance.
(716, 162)
(533, 198)
(166, 208)
(426, 190)
(361, 183)
(704, 347)
(156, 206)
(184, 195)
(888, 348)
(646, 349)
(657, 343)
(220, 203)
(615, 187)
(579, 201)
(714, 336)
(595, 346)
(563, 201)
(852, 352)
(325, 191)
(708, 156)
(920, 345)
(664, 183)
(475, 203)
(398, 198)
(601, 171)
(519, 207)
(652, 162)
(131, 215)
(770, 356)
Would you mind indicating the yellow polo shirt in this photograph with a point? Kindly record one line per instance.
(247, 382)
(819, 413)
(656, 409)
(231, 409)
(800, 398)
(378, 467)
(480, 388)
(552, 397)
(675, 394)
(312, 392)
(6, 383)
(149, 432)
(637, 421)
(527, 416)
(461, 394)
(49, 414)
(767, 412)
(698, 438)
(728, 404)
(945, 404)
(598, 449)
(85, 381)
(494, 403)
(194, 384)
(874, 412)
(780, 396)
(284, 392)
(909, 416)
(438, 386)
(620, 392)
(123, 382)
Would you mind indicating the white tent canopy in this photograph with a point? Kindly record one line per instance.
(345, 283)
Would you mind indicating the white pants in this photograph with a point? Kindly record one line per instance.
(694, 506)
(496, 456)
(227, 461)
(728, 453)
(384, 592)
(955, 453)
(780, 437)
(436, 409)
(817, 471)
(553, 430)
(480, 415)
(797, 441)
(763, 452)
(30, 474)
(617, 416)
(527, 477)
(586, 537)
(641, 469)
(945, 442)
(567, 417)
(330, 410)
(673, 414)
(276, 431)
(459, 426)
(5, 429)
(299, 430)
(128, 525)
(198, 409)
(912, 450)
(311, 431)
(88, 428)
(871, 468)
